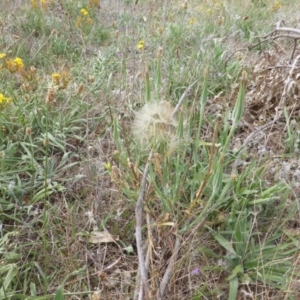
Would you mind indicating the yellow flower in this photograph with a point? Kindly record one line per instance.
(34, 4)
(84, 18)
(84, 12)
(2, 55)
(107, 166)
(14, 65)
(61, 79)
(56, 77)
(19, 63)
(140, 45)
(192, 21)
(276, 6)
(4, 99)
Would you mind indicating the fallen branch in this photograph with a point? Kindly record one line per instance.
(281, 32)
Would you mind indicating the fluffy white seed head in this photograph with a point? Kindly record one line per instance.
(155, 123)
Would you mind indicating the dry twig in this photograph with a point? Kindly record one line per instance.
(169, 271)
(280, 32)
(143, 272)
(177, 108)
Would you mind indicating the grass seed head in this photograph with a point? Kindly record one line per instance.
(46, 142)
(80, 88)
(50, 95)
(159, 52)
(28, 131)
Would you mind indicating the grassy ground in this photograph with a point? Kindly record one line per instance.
(149, 150)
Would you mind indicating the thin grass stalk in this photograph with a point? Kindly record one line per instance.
(116, 136)
(289, 130)
(144, 287)
(158, 70)
(203, 101)
(147, 86)
(45, 216)
(238, 110)
(209, 170)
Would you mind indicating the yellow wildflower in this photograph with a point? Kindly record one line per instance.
(34, 4)
(192, 21)
(276, 6)
(19, 63)
(61, 79)
(107, 166)
(4, 99)
(140, 45)
(2, 55)
(84, 18)
(84, 12)
(14, 65)
(56, 78)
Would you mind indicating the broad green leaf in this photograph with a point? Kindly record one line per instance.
(12, 271)
(238, 269)
(32, 289)
(233, 288)
(224, 243)
(59, 294)
(263, 200)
